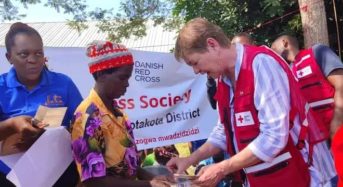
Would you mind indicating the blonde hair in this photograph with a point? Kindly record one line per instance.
(192, 37)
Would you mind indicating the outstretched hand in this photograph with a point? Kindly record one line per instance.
(178, 165)
(210, 175)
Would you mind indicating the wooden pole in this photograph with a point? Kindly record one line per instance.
(337, 29)
(313, 18)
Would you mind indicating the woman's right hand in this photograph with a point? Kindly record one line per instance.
(178, 165)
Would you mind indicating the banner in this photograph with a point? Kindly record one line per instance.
(166, 102)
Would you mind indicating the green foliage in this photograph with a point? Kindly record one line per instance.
(75, 7)
(253, 17)
(263, 19)
(8, 11)
(132, 20)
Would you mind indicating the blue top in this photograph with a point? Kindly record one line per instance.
(327, 60)
(54, 90)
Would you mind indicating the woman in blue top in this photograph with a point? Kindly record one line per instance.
(29, 83)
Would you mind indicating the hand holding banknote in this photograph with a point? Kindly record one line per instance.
(25, 133)
(28, 130)
(29, 133)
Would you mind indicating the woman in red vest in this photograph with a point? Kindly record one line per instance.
(259, 110)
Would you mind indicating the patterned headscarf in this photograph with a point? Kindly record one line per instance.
(105, 55)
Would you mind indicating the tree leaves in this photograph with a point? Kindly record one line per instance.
(233, 16)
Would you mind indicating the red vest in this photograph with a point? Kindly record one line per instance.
(337, 152)
(288, 168)
(315, 88)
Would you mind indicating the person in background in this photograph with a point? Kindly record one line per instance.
(243, 38)
(29, 84)
(259, 123)
(211, 91)
(147, 157)
(103, 145)
(165, 153)
(320, 74)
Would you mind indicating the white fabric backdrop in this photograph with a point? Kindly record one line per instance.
(166, 102)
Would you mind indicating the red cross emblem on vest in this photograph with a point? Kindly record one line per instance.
(244, 118)
(301, 73)
(240, 119)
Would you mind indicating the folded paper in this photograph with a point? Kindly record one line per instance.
(44, 162)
